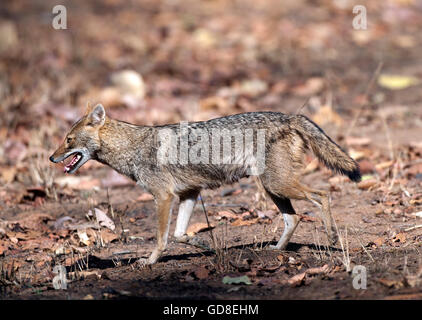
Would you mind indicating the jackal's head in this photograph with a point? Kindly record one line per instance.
(82, 142)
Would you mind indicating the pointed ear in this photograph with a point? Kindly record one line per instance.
(96, 117)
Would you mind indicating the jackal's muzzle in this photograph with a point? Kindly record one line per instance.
(80, 156)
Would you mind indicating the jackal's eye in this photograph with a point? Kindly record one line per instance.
(69, 140)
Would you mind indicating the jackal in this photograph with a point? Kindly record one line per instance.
(178, 160)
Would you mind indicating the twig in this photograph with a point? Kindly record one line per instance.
(363, 247)
(303, 105)
(364, 103)
(208, 222)
(388, 136)
(414, 227)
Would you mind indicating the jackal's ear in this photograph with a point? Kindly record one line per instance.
(97, 116)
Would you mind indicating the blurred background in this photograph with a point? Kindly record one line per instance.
(154, 62)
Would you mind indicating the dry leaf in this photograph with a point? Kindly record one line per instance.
(129, 82)
(8, 174)
(102, 219)
(397, 82)
(3, 248)
(378, 241)
(310, 87)
(270, 214)
(297, 279)
(214, 103)
(201, 273)
(418, 214)
(358, 141)
(367, 184)
(391, 283)
(410, 296)
(145, 197)
(84, 239)
(226, 214)
(399, 237)
(198, 227)
(241, 222)
(384, 165)
(338, 180)
(307, 218)
(326, 115)
(415, 201)
(108, 236)
(356, 155)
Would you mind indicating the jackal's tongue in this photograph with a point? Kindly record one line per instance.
(72, 162)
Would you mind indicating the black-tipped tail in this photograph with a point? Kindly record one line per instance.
(329, 152)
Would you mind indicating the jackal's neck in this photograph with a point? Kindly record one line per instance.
(121, 146)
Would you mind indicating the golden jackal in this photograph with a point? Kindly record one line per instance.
(178, 160)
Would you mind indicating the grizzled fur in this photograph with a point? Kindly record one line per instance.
(132, 150)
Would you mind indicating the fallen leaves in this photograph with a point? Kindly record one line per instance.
(367, 184)
(201, 273)
(237, 280)
(102, 219)
(397, 284)
(246, 218)
(419, 213)
(298, 279)
(198, 227)
(399, 237)
(240, 222)
(226, 214)
(7, 174)
(310, 87)
(326, 115)
(358, 141)
(378, 242)
(397, 82)
(3, 247)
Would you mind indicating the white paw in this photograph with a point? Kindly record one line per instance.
(142, 262)
(276, 247)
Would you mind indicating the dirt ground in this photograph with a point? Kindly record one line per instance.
(196, 60)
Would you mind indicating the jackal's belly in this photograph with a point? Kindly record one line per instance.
(197, 177)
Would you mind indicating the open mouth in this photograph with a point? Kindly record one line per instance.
(73, 164)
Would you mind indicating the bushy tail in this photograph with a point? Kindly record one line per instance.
(329, 152)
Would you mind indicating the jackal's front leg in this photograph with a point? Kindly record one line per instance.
(164, 208)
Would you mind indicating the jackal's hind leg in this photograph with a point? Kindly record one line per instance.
(322, 200)
(291, 220)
